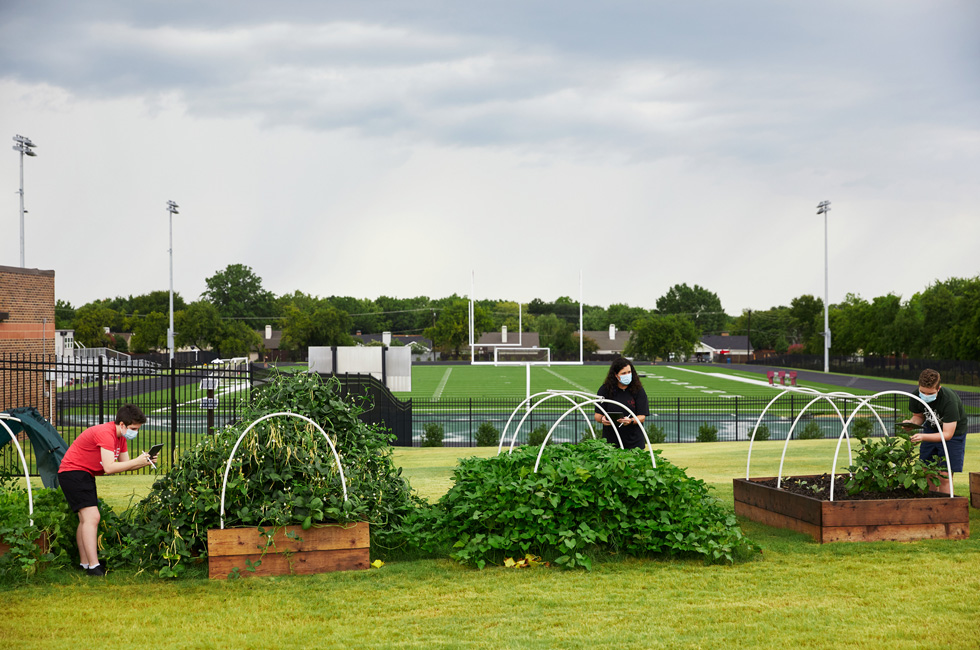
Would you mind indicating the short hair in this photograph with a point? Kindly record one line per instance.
(929, 378)
(130, 414)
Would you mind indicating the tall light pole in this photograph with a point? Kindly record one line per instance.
(824, 208)
(172, 209)
(24, 146)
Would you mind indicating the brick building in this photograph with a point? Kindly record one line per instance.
(26, 333)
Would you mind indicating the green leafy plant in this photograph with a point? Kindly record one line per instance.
(47, 542)
(432, 435)
(656, 434)
(762, 432)
(890, 463)
(707, 433)
(487, 435)
(283, 474)
(861, 428)
(811, 431)
(586, 500)
(537, 435)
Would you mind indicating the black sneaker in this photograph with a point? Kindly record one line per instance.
(96, 571)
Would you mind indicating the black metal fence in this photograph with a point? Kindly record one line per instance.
(964, 373)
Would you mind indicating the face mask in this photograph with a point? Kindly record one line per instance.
(129, 434)
(626, 379)
(928, 398)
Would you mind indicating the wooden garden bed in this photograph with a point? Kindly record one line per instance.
(321, 549)
(42, 543)
(975, 489)
(853, 520)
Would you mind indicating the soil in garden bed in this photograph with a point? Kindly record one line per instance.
(818, 487)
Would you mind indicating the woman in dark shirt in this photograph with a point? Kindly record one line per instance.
(622, 385)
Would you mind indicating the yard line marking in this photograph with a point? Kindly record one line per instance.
(566, 379)
(442, 384)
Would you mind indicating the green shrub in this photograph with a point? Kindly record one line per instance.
(762, 433)
(52, 519)
(811, 431)
(487, 435)
(707, 433)
(586, 500)
(656, 434)
(432, 435)
(890, 463)
(537, 436)
(861, 428)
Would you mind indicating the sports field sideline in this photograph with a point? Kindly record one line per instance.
(436, 382)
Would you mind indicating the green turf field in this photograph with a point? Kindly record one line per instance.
(438, 382)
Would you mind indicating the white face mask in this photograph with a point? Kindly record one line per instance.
(626, 379)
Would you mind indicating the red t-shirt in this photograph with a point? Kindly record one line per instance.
(85, 454)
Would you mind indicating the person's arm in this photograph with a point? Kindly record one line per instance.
(112, 466)
(948, 430)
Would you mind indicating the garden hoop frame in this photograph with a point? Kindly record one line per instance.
(231, 457)
(23, 462)
(570, 394)
(949, 467)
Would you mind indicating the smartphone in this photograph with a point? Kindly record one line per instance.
(155, 449)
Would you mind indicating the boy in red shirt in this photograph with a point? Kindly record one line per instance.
(98, 450)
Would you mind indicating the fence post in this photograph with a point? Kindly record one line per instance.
(173, 412)
(736, 418)
(101, 381)
(678, 419)
(470, 442)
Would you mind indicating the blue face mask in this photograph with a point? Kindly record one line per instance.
(928, 398)
(129, 434)
(626, 379)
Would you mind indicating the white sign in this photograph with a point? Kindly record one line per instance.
(209, 403)
(211, 383)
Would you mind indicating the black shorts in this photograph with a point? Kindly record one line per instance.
(79, 489)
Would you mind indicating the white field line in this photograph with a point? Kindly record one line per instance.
(569, 381)
(442, 384)
(234, 388)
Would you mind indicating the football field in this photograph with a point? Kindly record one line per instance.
(433, 382)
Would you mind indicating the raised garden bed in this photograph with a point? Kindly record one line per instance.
(852, 520)
(42, 543)
(975, 489)
(320, 549)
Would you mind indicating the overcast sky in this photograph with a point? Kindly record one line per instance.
(392, 148)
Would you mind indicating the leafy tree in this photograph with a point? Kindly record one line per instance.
(91, 320)
(310, 321)
(200, 325)
(703, 307)
(658, 336)
(158, 301)
(807, 314)
(769, 330)
(623, 316)
(595, 318)
(555, 333)
(451, 330)
(149, 331)
(406, 315)
(589, 346)
(365, 315)
(237, 293)
(64, 315)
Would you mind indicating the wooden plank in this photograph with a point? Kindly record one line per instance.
(792, 505)
(895, 532)
(302, 563)
(975, 489)
(880, 512)
(248, 541)
(776, 520)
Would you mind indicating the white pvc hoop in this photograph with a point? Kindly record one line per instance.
(782, 460)
(231, 457)
(565, 394)
(598, 402)
(550, 394)
(949, 467)
(23, 462)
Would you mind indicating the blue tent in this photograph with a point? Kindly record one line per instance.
(49, 447)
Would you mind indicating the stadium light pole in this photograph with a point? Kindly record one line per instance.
(24, 146)
(824, 208)
(172, 209)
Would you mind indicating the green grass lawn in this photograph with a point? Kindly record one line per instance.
(438, 382)
(798, 594)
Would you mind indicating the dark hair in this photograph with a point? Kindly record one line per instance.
(929, 378)
(130, 414)
(612, 381)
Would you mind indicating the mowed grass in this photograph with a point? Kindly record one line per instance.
(441, 382)
(797, 594)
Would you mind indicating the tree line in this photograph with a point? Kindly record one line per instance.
(942, 321)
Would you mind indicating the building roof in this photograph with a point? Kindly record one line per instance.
(715, 342)
(528, 339)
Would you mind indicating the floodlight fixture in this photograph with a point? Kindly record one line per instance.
(172, 210)
(824, 208)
